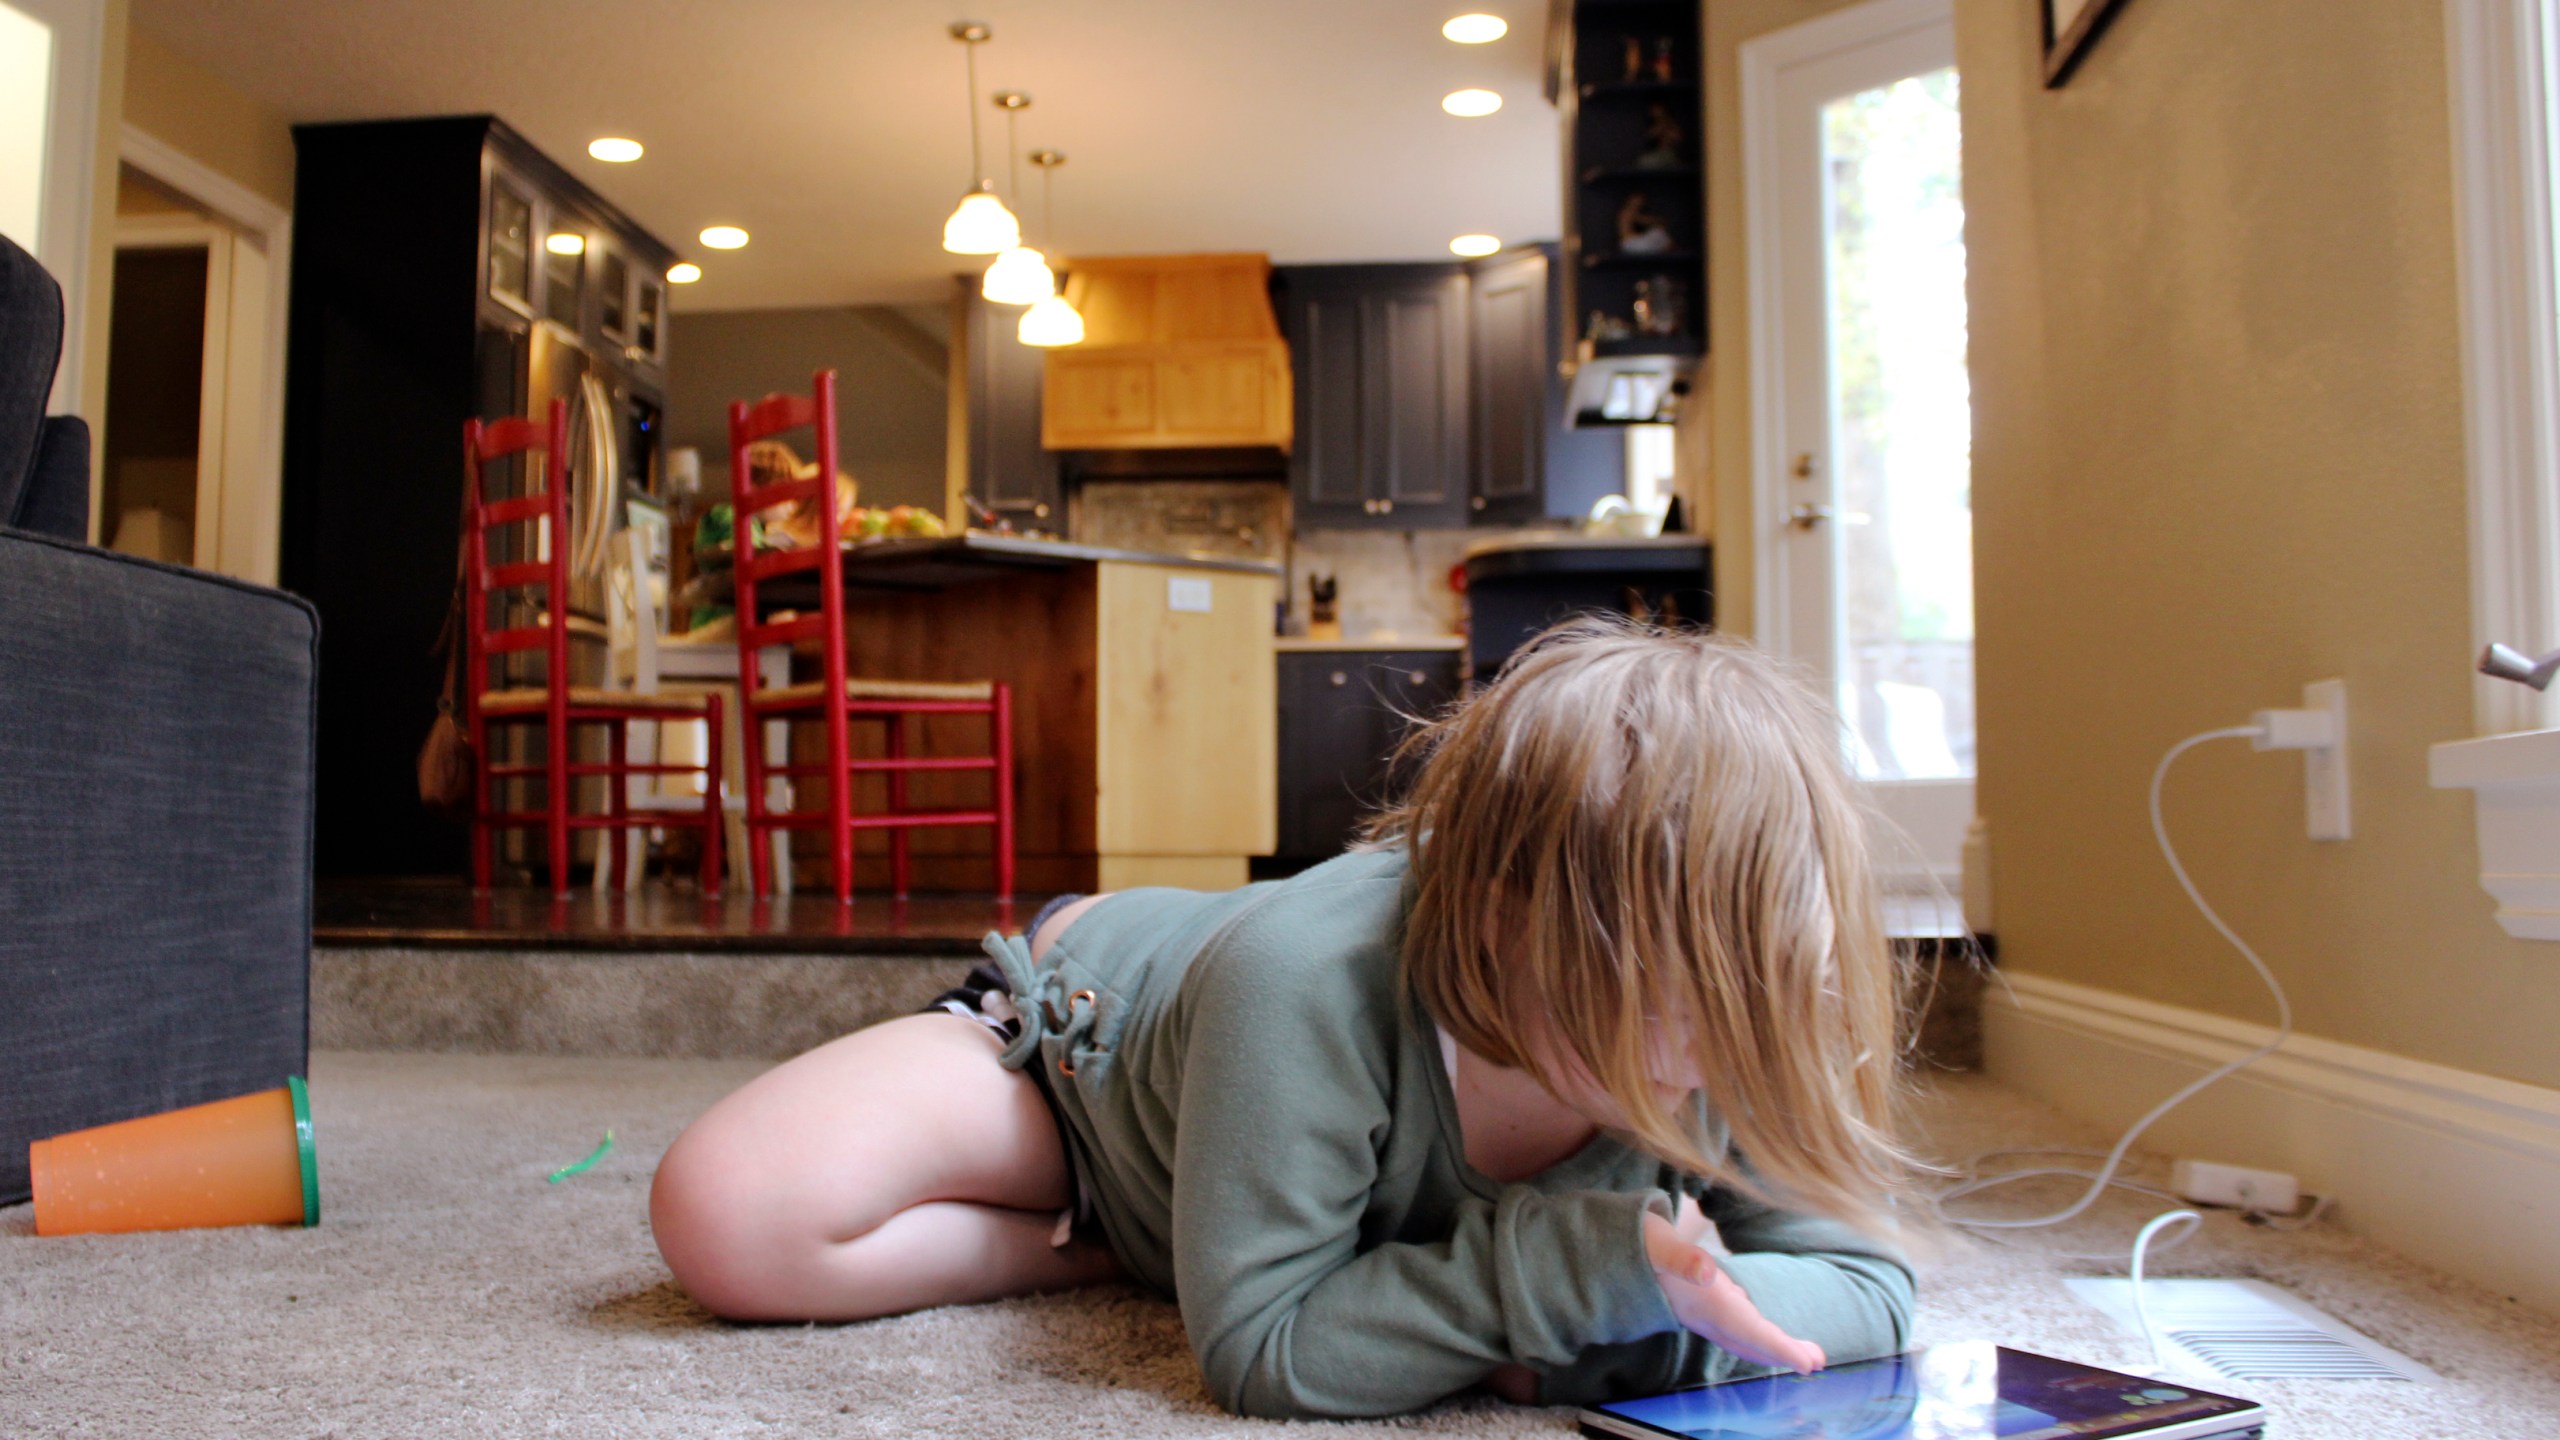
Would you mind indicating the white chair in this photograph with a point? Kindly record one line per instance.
(648, 662)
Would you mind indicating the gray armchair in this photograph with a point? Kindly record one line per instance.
(44, 460)
(156, 730)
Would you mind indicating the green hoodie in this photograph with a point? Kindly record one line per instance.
(1259, 1111)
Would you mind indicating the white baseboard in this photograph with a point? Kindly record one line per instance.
(2458, 1170)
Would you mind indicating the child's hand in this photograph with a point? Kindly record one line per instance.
(1709, 1302)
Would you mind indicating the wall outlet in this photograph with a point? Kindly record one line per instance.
(2319, 731)
(2324, 769)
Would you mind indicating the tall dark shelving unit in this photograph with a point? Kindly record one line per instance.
(1618, 68)
(423, 295)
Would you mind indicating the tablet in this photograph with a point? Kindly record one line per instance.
(1971, 1391)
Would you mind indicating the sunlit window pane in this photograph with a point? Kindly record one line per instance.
(1902, 427)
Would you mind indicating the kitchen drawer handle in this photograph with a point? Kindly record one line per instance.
(1341, 679)
(1416, 677)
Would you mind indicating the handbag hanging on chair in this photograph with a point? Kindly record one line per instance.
(447, 770)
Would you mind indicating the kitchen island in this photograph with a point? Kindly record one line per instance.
(1143, 698)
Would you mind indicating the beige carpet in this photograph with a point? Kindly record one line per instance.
(451, 1292)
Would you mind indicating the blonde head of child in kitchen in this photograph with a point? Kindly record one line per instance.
(1639, 826)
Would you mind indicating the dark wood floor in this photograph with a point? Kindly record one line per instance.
(658, 918)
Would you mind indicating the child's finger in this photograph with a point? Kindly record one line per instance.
(1724, 1313)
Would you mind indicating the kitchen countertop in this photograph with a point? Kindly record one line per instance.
(1578, 540)
(943, 561)
(1293, 643)
(951, 558)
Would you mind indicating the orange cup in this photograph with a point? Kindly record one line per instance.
(243, 1161)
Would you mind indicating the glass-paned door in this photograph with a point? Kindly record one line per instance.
(1872, 511)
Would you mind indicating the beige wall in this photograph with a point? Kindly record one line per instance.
(173, 99)
(144, 83)
(2218, 453)
(892, 388)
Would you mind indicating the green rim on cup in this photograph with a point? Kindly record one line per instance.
(310, 1156)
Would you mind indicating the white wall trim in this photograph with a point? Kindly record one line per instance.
(79, 46)
(2457, 1169)
(2500, 56)
(249, 534)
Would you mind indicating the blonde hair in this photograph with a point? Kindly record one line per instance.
(1633, 826)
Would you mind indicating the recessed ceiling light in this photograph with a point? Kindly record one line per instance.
(1470, 103)
(1476, 29)
(683, 272)
(725, 237)
(1472, 246)
(615, 150)
(565, 242)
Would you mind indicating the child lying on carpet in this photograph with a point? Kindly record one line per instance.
(1453, 1109)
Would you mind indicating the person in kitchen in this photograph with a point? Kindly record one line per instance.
(1455, 1109)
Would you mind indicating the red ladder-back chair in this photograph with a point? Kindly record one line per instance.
(891, 701)
(556, 705)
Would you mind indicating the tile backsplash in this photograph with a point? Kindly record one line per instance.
(1393, 583)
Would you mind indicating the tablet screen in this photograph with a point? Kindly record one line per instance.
(1950, 1392)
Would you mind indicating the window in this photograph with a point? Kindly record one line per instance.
(2503, 93)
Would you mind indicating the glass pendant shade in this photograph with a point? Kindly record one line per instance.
(1020, 276)
(1051, 322)
(981, 226)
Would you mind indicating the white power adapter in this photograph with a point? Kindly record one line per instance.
(2319, 731)
(2263, 1192)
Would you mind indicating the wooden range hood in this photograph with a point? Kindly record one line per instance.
(1180, 352)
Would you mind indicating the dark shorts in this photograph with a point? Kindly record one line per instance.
(987, 997)
(968, 999)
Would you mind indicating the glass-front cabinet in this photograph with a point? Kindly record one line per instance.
(613, 296)
(510, 246)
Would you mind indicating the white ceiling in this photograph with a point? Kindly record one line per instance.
(834, 130)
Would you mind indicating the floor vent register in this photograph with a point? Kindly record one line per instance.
(2243, 1330)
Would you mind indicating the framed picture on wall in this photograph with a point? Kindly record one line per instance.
(2070, 28)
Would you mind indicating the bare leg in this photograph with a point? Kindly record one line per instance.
(897, 1168)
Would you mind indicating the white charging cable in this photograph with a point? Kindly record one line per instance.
(2106, 1174)
(2142, 1244)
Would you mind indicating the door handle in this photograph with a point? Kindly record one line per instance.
(1805, 517)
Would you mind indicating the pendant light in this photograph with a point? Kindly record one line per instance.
(981, 225)
(1050, 321)
(1021, 274)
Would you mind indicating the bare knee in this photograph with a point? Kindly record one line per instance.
(732, 1248)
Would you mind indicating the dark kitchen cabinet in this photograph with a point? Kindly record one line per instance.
(1528, 462)
(1625, 81)
(1379, 355)
(1342, 715)
(425, 292)
(1008, 471)
(1431, 397)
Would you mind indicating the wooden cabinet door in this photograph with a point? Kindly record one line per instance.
(1379, 358)
(1326, 745)
(1342, 715)
(1507, 326)
(1416, 436)
(1327, 469)
(1528, 462)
